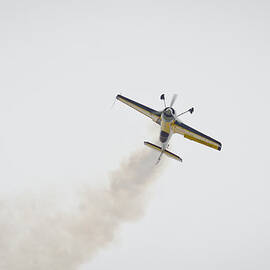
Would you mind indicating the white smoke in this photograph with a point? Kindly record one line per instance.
(34, 235)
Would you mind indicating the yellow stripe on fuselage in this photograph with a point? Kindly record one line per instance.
(165, 126)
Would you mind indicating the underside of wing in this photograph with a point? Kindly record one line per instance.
(153, 114)
(195, 135)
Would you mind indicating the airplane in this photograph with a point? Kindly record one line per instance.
(170, 124)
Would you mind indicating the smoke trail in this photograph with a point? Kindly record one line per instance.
(35, 236)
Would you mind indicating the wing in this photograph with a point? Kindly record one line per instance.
(195, 135)
(153, 114)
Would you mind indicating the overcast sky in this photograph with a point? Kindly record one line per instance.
(61, 65)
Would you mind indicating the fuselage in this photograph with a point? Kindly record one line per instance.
(167, 118)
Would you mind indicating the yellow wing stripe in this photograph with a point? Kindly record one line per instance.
(195, 135)
(154, 115)
(201, 141)
(136, 107)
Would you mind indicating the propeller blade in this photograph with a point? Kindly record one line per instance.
(162, 97)
(173, 100)
(191, 110)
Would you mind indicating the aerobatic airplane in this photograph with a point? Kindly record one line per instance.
(170, 124)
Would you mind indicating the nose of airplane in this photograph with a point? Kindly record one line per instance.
(169, 111)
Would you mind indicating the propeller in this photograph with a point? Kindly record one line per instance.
(173, 100)
(162, 97)
(191, 110)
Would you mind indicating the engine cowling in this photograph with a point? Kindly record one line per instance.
(168, 114)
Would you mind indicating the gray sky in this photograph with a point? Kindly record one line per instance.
(61, 65)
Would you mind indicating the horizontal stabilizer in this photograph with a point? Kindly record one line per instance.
(167, 153)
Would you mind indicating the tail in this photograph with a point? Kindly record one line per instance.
(167, 153)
